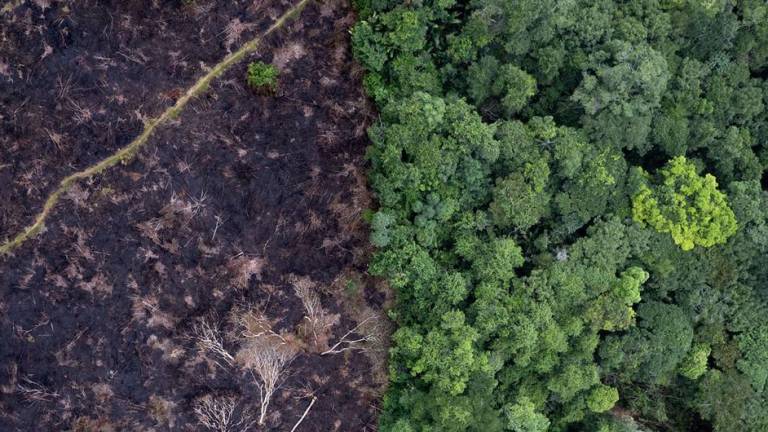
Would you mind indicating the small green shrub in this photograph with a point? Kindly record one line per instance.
(262, 77)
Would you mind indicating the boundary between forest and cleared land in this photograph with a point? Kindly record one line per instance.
(127, 153)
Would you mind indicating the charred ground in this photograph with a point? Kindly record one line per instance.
(228, 212)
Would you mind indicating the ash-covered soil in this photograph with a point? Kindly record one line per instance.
(157, 287)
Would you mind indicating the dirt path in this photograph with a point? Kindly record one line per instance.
(243, 214)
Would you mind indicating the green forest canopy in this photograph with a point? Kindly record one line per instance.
(572, 211)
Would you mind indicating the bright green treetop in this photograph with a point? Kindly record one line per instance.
(602, 398)
(686, 205)
(522, 417)
(694, 364)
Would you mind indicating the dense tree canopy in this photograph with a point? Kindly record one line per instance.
(571, 208)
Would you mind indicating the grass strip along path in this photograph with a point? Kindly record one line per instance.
(127, 153)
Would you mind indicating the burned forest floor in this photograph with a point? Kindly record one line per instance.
(225, 261)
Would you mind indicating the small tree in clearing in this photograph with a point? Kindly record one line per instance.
(262, 77)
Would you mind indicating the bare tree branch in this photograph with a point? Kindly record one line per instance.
(34, 391)
(317, 321)
(218, 414)
(346, 343)
(209, 339)
(314, 398)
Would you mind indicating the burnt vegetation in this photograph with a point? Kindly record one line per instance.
(200, 285)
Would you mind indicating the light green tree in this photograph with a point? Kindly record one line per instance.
(602, 398)
(686, 205)
(694, 364)
(522, 417)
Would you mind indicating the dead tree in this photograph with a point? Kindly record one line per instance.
(317, 322)
(349, 342)
(266, 356)
(209, 339)
(218, 414)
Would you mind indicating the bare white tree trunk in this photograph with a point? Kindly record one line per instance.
(314, 399)
(266, 355)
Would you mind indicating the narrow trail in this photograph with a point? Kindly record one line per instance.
(126, 153)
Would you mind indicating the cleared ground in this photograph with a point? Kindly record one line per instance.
(242, 216)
